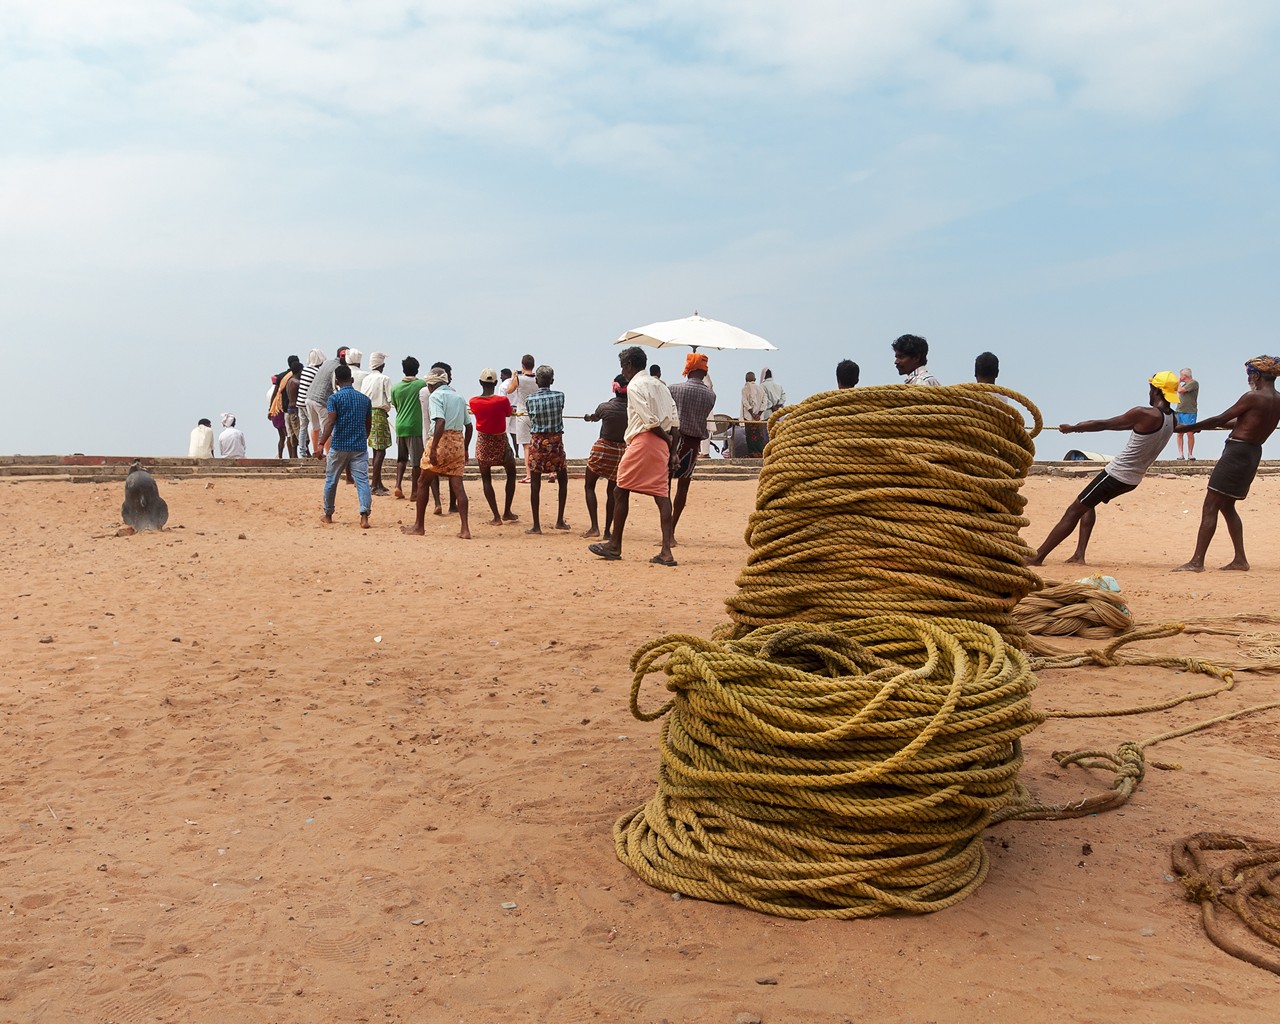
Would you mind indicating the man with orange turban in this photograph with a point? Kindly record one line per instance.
(1255, 416)
(694, 401)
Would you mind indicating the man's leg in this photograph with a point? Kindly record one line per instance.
(664, 517)
(535, 492)
(682, 494)
(1087, 519)
(402, 460)
(420, 504)
(1208, 525)
(562, 478)
(1060, 532)
(435, 494)
(415, 460)
(594, 529)
(332, 470)
(360, 470)
(510, 466)
(621, 506)
(1235, 529)
(1191, 445)
(379, 456)
(1180, 438)
(460, 495)
(610, 500)
(486, 482)
(280, 442)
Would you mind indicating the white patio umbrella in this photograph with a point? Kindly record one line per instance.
(695, 332)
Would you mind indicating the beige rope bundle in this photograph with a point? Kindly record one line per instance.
(830, 771)
(890, 500)
(1073, 609)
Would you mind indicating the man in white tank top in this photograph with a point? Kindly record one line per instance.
(1150, 427)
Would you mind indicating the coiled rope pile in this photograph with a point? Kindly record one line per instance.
(890, 499)
(1072, 609)
(846, 767)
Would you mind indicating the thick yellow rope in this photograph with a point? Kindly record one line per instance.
(890, 500)
(1072, 609)
(837, 771)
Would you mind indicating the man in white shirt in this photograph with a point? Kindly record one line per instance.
(231, 441)
(646, 466)
(201, 446)
(376, 386)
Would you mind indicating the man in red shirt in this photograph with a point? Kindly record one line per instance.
(492, 448)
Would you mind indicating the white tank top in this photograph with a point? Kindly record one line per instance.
(1131, 465)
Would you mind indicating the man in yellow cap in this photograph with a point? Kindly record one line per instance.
(1150, 427)
(1253, 419)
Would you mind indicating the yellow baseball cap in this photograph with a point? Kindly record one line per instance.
(1166, 381)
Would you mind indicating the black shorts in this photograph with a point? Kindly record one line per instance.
(409, 449)
(1236, 468)
(1101, 489)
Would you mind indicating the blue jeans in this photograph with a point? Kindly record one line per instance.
(336, 466)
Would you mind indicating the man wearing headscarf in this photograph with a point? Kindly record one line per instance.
(309, 434)
(376, 387)
(1253, 418)
(775, 397)
(446, 454)
(1150, 427)
(694, 401)
(231, 441)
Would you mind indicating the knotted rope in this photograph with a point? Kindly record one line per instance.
(841, 770)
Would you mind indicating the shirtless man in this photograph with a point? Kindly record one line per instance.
(1150, 428)
(1252, 420)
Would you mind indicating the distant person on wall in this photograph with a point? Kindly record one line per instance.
(694, 401)
(1253, 419)
(775, 397)
(546, 445)
(847, 374)
(518, 390)
(492, 412)
(345, 434)
(1149, 429)
(201, 444)
(606, 453)
(656, 371)
(754, 407)
(276, 405)
(911, 356)
(1188, 405)
(376, 387)
(353, 359)
(231, 441)
(404, 399)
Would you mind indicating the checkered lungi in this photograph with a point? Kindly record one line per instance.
(546, 453)
(451, 455)
(687, 451)
(292, 423)
(379, 431)
(604, 458)
(492, 450)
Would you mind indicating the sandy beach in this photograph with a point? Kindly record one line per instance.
(259, 770)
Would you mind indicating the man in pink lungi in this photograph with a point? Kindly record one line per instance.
(647, 464)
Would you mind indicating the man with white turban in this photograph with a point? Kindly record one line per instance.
(231, 441)
(376, 387)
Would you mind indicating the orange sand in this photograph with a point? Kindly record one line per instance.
(225, 799)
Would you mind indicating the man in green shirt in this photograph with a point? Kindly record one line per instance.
(408, 407)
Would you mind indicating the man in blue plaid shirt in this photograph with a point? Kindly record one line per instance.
(348, 416)
(545, 409)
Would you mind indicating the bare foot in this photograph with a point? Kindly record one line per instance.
(510, 517)
(495, 521)
(562, 525)
(464, 534)
(438, 511)
(1237, 565)
(1191, 567)
(593, 532)
(399, 494)
(415, 531)
(534, 529)
(327, 520)
(364, 521)
(1075, 560)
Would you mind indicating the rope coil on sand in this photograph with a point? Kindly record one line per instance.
(838, 748)
(830, 771)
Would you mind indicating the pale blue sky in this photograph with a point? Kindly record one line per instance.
(189, 192)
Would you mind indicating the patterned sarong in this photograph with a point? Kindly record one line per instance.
(687, 452)
(492, 450)
(546, 453)
(604, 458)
(451, 455)
(756, 438)
(379, 431)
